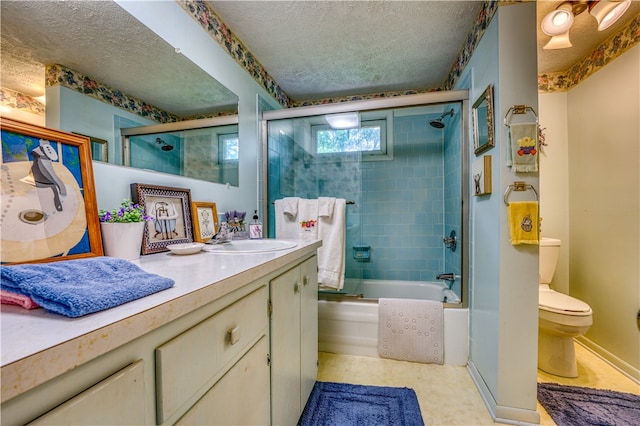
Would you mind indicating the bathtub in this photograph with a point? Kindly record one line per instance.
(349, 325)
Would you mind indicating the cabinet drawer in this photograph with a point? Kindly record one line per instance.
(190, 363)
(241, 397)
(117, 400)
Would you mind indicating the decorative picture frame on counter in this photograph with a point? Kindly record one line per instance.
(50, 211)
(170, 210)
(483, 126)
(481, 174)
(205, 220)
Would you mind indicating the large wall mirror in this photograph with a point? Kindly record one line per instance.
(100, 40)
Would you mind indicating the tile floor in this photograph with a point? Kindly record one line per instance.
(447, 394)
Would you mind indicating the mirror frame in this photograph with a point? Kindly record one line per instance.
(483, 118)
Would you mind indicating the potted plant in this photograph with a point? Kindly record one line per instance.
(122, 230)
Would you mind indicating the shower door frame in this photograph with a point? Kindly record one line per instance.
(422, 99)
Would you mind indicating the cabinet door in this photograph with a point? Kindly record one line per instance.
(285, 348)
(117, 400)
(309, 328)
(241, 397)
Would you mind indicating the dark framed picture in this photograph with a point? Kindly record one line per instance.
(205, 220)
(49, 209)
(483, 122)
(170, 210)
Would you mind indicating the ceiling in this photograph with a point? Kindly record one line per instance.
(312, 49)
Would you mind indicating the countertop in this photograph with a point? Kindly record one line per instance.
(57, 344)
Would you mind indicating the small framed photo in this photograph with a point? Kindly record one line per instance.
(49, 209)
(481, 172)
(170, 210)
(205, 220)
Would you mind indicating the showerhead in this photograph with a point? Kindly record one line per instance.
(165, 146)
(437, 123)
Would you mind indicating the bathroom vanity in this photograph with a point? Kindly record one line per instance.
(233, 342)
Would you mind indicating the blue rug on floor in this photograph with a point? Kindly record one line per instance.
(578, 406)
(340, 404)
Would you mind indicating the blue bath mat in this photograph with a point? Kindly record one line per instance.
(578, 406)
(340, 404)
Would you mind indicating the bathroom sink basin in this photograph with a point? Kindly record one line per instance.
(250, 246)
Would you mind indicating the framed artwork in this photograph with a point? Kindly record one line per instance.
(170, 210)
(205, 221)
(49, 209)
(481, 172)
(483, 122)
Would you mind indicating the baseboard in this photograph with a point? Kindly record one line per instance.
(623, 367)
(500, 413)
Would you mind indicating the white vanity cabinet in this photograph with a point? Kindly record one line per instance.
(208, 354)
(294, 341)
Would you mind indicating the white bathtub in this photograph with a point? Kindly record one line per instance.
(350, 325)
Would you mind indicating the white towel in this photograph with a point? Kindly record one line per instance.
(331, 256)
(411, 330)
(308, 219)
(523, 147)
(286, 211)
(325, 206)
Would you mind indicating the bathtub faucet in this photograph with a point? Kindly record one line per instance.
(450, 278)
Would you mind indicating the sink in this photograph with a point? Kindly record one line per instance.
(250, 246)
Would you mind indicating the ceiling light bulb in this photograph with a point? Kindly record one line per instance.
(608, 12)
(558, 21)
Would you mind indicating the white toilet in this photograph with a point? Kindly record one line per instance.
(560, 318)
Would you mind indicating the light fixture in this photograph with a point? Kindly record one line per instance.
(559, 42)
(608, 12)
(558, 22)
(347, 120)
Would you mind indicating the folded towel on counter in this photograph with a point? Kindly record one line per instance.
(79, 287)
(523, 222)
(331, 256)
(10, 298)
(523, 147)
(286, 211)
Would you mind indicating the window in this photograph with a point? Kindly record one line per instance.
(371, 139)
(228, 147)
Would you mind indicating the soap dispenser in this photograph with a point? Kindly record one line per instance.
(255, 227)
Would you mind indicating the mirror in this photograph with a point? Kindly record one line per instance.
(117, 54)
(483, 122)
(201, 149)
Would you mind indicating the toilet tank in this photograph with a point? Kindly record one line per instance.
(549, 251)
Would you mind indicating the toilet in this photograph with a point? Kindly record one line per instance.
(560, 318)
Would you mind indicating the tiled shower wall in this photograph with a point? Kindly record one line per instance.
(403, 206)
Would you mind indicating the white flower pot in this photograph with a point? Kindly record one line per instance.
(123, 240)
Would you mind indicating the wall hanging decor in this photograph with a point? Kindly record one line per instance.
(481, 173)
(170, 211)
(483, 122)
(49, 209)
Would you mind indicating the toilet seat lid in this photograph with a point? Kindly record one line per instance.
(562, 303)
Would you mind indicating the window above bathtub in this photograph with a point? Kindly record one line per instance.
(373, 138)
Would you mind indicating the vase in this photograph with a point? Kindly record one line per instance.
(123, 240)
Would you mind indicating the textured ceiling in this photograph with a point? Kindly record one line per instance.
(313, 49)
(102, 41)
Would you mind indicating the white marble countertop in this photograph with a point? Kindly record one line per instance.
(37, 336)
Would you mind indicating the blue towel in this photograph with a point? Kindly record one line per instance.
(79, 287)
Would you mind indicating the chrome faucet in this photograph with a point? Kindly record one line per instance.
(449, 277)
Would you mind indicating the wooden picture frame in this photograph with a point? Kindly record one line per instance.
(205, 220)
(481, 174)
(170, 209)
(483, 138)
(49, 209)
